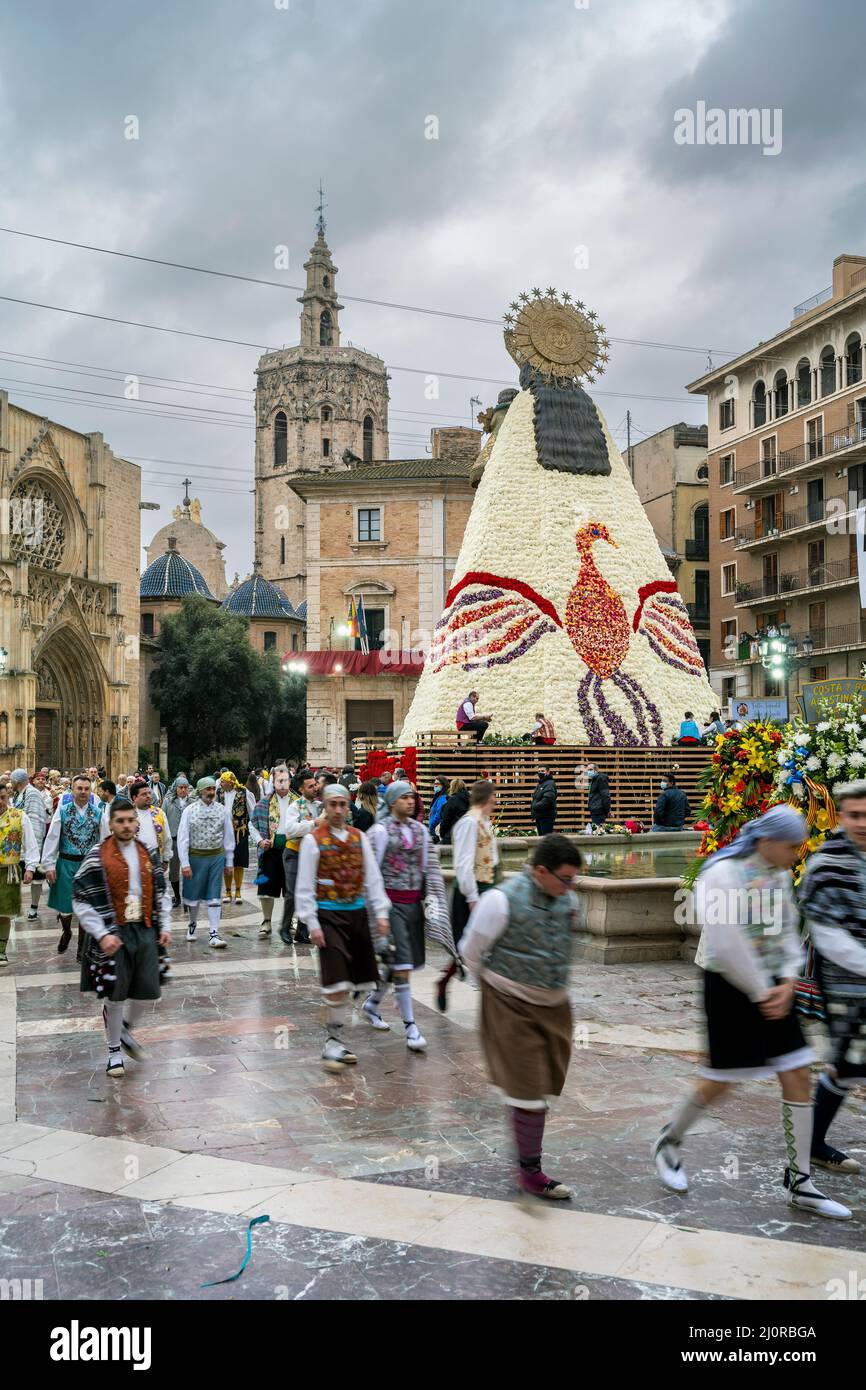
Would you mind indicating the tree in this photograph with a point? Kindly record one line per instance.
(210, 686)
(280, 730)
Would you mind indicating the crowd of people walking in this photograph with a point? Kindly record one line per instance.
(355, 866)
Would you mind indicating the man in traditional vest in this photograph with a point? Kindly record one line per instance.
(120, 899)
(268, 832)
(519, 946)
(73, 832)
(27, 798)
(206, 848)
(338, 878)
(17, 842)
(304, 814)
(409, 864)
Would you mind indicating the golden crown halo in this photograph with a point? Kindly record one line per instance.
(556, 336)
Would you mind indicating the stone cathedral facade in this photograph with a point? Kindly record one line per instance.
(69, 544)
(318, 405)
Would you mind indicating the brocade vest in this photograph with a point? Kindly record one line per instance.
(536, 946)
(340, 871)
(206, 826)
(403, 865)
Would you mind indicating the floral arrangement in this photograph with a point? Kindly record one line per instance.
(815, 760)
(739, 783)
(522, 531)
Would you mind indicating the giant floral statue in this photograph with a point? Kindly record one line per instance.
(561, 599)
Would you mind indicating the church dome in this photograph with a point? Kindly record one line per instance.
(258, 598)
(171, 576)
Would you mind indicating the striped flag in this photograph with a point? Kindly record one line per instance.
(362, 624)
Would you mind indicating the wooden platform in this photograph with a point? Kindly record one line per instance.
(634, 774)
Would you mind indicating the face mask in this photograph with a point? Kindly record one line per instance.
(591, 774)
(663, 785)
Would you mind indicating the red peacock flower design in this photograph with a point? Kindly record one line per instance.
(490, 620)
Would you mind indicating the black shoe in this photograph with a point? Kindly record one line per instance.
(65, 938)
(285, 936)
(81, 937)
(302, 937)
(176, 900)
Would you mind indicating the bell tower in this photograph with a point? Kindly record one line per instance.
(320, 312)
(315, 403)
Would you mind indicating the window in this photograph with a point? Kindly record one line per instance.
(804, 382)
(326, 282)
(703, 473)
(726, 414)
(828, 371)
(282, 550)
(147, 624)
(704, 649)
(815, 438)
(726, 469)
(326, 414)
(815, 554)
(375, 621)
(818, 623)
(727, 524)
(770, 574)
(270, 641)
(780, 394)
(729, 689)
(368, 439)
(702, 524)
(281, 440)
(702, 597)
(729, 639)
(853, 360)
(815, 499)
(294, 641)
(759, 404)
(369, 523)
(325, 329)
(768, 457)
(729, 578)
(774, 619)
(817, 673)
(326, 448)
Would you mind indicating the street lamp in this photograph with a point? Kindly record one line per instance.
(779, 655)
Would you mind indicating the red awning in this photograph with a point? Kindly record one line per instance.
(358, 663)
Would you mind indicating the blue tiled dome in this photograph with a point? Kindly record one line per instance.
(258, 598)
(171, 576)
(301, 610)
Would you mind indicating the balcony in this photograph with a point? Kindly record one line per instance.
(813, 514)
(801, 458)
(699, 613)
(832, 574)
(827, 639)
(698, 548)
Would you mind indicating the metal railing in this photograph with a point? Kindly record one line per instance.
(810, 515)
(812, 303)
(698, 548)
(815, 576)
(699, 614)
(827, 639)
(810, 452)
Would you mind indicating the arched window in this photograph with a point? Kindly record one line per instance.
(703, 473)
(759, 402)
(804, 381)
(854, 360)
(325, 334)
(326, 414)
(326, 281)
(368, 439)
(281, 440)
(702, 523)
(828, 371)
(780, 394)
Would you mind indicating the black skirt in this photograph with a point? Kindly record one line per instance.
(739, 1038)
(460, 909)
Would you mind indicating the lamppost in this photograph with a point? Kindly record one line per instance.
(780, 656)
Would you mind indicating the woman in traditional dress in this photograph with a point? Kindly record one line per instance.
(752, 954)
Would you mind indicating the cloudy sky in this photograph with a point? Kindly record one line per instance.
(555, 164)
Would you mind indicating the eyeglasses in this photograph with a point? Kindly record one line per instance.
(566, 882)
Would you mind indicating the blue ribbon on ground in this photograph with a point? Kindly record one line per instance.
(256, 1221)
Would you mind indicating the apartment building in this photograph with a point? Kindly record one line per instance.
(787, 470)
(669, 469)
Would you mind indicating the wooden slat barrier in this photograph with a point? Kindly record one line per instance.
(634, 775)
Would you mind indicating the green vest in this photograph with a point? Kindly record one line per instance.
(535, 948)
